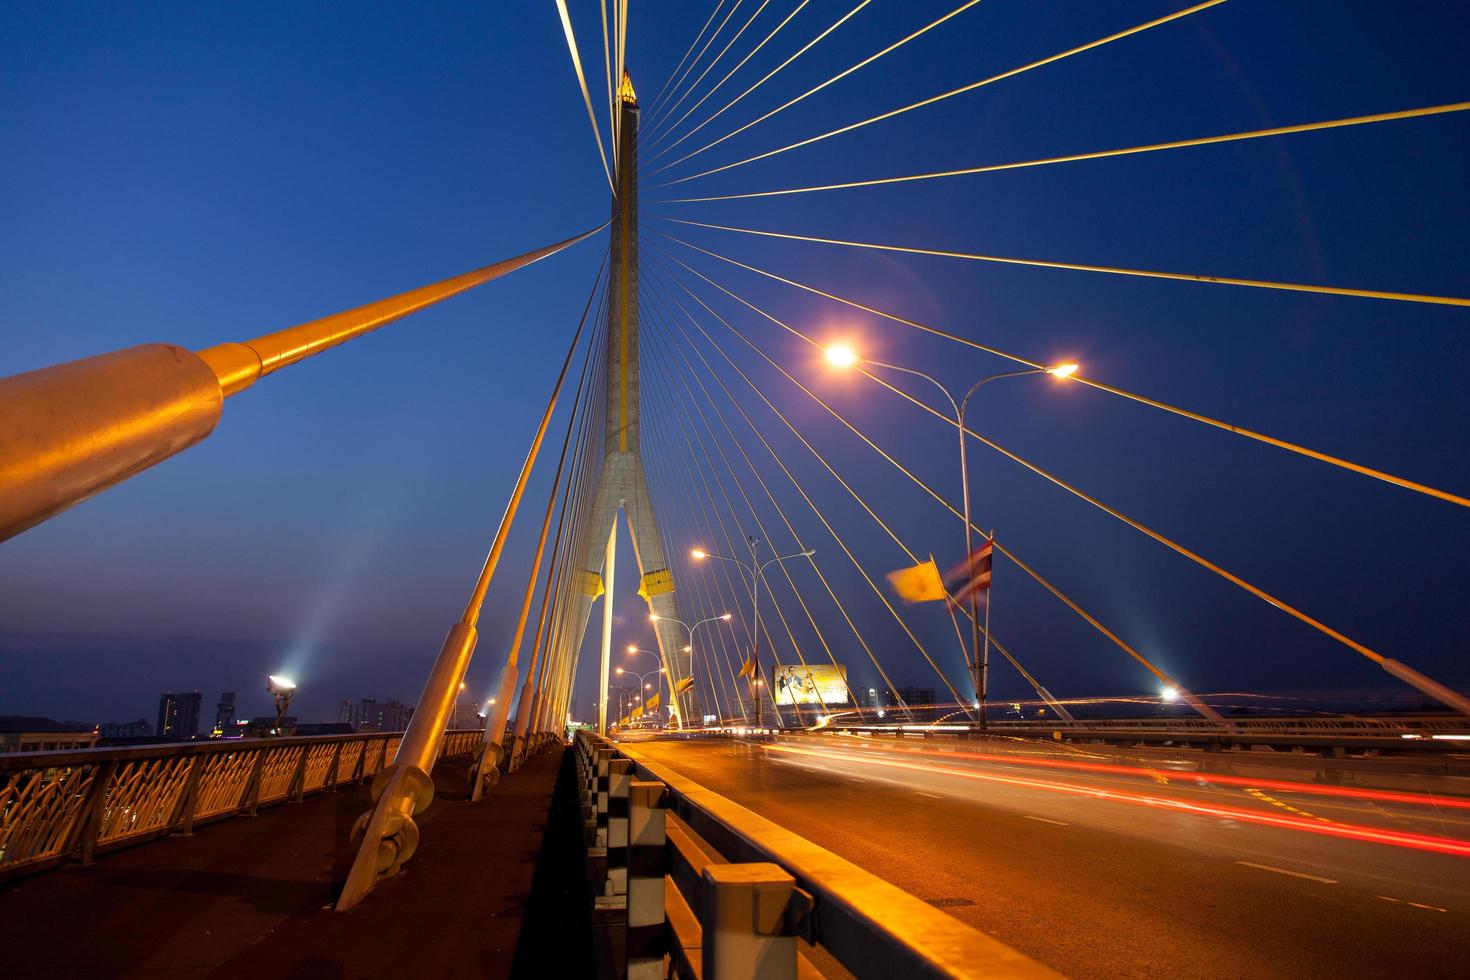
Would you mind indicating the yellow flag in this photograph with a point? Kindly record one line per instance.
(748, 668)
(921, 583)
(651, 703)
(683, 685)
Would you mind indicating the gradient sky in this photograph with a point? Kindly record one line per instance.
(202, 172)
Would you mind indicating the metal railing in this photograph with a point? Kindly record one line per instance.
(701, 887)
(72, 805)
(1325, 725)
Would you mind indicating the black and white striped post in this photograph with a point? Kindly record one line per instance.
(647, 938)
(619, 780)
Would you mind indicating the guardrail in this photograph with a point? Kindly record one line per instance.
(1306, 725)
(73, 805)
(683, 873)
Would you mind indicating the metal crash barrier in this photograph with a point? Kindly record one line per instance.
(73, 805)
(687, 883)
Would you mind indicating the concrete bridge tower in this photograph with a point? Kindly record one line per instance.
(623, 484)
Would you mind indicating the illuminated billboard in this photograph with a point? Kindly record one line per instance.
(818, 684)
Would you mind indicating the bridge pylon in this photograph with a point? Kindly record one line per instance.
(622, 484)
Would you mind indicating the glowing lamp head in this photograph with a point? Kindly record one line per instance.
(727, 617)
(1170, 694)
(617, 670)
(688, 649)
(279, 685)
(1062, 370)
(841, 356)
(653, 617)
(632, 648)
(697, 554)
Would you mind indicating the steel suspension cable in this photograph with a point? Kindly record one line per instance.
(689, 369)
(1111, 270)
(657, 99)
(566, 26)
(763, 79)
(1387, 663)
(753, 51)
(653, 136)
(1310, 127)
(680, 87)
(908, 552)
(1100, 385)
(822, 517)
(1126, 648)
(1138, 29)
(680, 493)
(837, 77)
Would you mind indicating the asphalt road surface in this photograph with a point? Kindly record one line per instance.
(1098, 872)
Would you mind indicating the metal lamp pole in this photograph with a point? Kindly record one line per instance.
(655, 617)
(656, 659)
(757, 569)
(844, 357)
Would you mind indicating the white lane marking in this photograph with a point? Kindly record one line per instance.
(932, 796)
(1285, 871)
(1059, 823)
(1404, 901)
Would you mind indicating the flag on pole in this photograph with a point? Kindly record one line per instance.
(921, 583)
(683, 685)
(651, 704)
(974, 575)
(747, 669)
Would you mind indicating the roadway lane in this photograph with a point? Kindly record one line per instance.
(1124, 874)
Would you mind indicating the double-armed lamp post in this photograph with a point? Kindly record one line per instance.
(757, 570)
(655, 617)
(843, 356)
(659, 673)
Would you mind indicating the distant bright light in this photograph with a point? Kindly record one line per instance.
(697, 554)
(726, 617)
(841, 356)
(1062, 370)
(653, 617)
(618, 670)
(280, 685)
(1170, 694)
(632, 648)
(688, 649)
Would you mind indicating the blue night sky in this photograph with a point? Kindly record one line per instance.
(201, 172)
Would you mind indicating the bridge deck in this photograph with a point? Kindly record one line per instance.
(252, 897)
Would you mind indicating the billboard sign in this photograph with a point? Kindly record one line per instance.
(816, 684)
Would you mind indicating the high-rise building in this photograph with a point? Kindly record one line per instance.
(224, 714)
(178, 716)
(372, 715)
(125, 729)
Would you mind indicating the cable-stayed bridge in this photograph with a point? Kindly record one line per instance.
(819, 771)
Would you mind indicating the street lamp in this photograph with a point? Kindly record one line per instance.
(633, 649)
(281, 689)
(843, 356)
(757, 569)
(655, 617)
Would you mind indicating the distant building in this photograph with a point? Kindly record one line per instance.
(178, 716)
(263, 726)
(916, 697)
(372, 715)
(23, 733)
(125, 729)
(323, 728)
(224, 714)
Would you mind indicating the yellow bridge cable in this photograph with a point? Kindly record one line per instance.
(566, 26)
(680, 86)
(689, 89)
(1173, 545)
(1292, 287)
(657, 99)
(763, 79)
(842, 609)
(1116, 640)
(1138, 29)
(1310, 127)
(822, 517)
(689, 368)
(612, 115)
(671, 127)
(690, 469)
(1101, 385)
(677, 488)
(835, 78)
(828, 466)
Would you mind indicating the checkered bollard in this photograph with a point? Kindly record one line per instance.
(647, 937)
